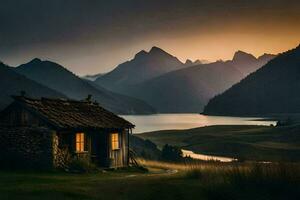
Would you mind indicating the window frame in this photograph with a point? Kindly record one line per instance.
(80, 142)
(115, 141)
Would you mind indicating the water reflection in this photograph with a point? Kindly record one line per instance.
(187, 153)
(146, 123)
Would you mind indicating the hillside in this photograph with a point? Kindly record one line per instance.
(13, 83)
(144, 148)
(137, 106)
(272, 89)
(186, 90)
(144, 66)
(60, 79)
(259, 143)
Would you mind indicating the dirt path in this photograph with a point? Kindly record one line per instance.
(155, 173)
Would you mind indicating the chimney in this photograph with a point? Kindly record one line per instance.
(96, 103)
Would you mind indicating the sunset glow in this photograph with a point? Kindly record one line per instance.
(86, 40)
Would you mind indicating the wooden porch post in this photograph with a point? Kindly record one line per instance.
(129, 131)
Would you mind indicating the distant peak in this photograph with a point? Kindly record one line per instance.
(241, 55)
(154, 52)
(140, 54)
(199, 61)
(155, 49)
(188, 62)
(35, 60)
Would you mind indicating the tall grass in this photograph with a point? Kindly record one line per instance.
(267, 171)
(268, 181)
(183, 166)
(255, 173)
(240, 180)
(265, 175)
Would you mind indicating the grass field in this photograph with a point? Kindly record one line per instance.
(243, 142)
(190, 182)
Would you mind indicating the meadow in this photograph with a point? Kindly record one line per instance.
(162, 181)
(255, 143)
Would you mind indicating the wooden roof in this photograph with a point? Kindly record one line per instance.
(71, 114)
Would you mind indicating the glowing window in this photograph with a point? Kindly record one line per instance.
(115, 141)
(79, 142)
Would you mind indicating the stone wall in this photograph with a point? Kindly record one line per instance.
(26, 148)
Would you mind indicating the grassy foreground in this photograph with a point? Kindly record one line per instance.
(201, 181)
(243, 142)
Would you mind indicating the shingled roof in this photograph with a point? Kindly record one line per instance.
(66, 114)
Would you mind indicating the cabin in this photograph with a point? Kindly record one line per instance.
(45, 132)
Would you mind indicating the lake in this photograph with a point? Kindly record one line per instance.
(147, 123)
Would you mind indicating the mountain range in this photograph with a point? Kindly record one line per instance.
(58, 78)
(156, 81)
(13, 83)
(170, 86)
(274, 88)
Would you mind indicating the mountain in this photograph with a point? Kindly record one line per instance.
(274, 88)
(92, 77)
(188, 89)
(60, 79)
(188, 62)
(247, 63)
(13, 83)
(144, 66)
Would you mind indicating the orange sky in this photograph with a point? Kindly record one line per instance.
(222, 46)
(94, 37)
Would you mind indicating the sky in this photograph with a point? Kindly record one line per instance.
(89, 36)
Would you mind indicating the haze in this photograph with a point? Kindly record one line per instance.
(94, 36)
